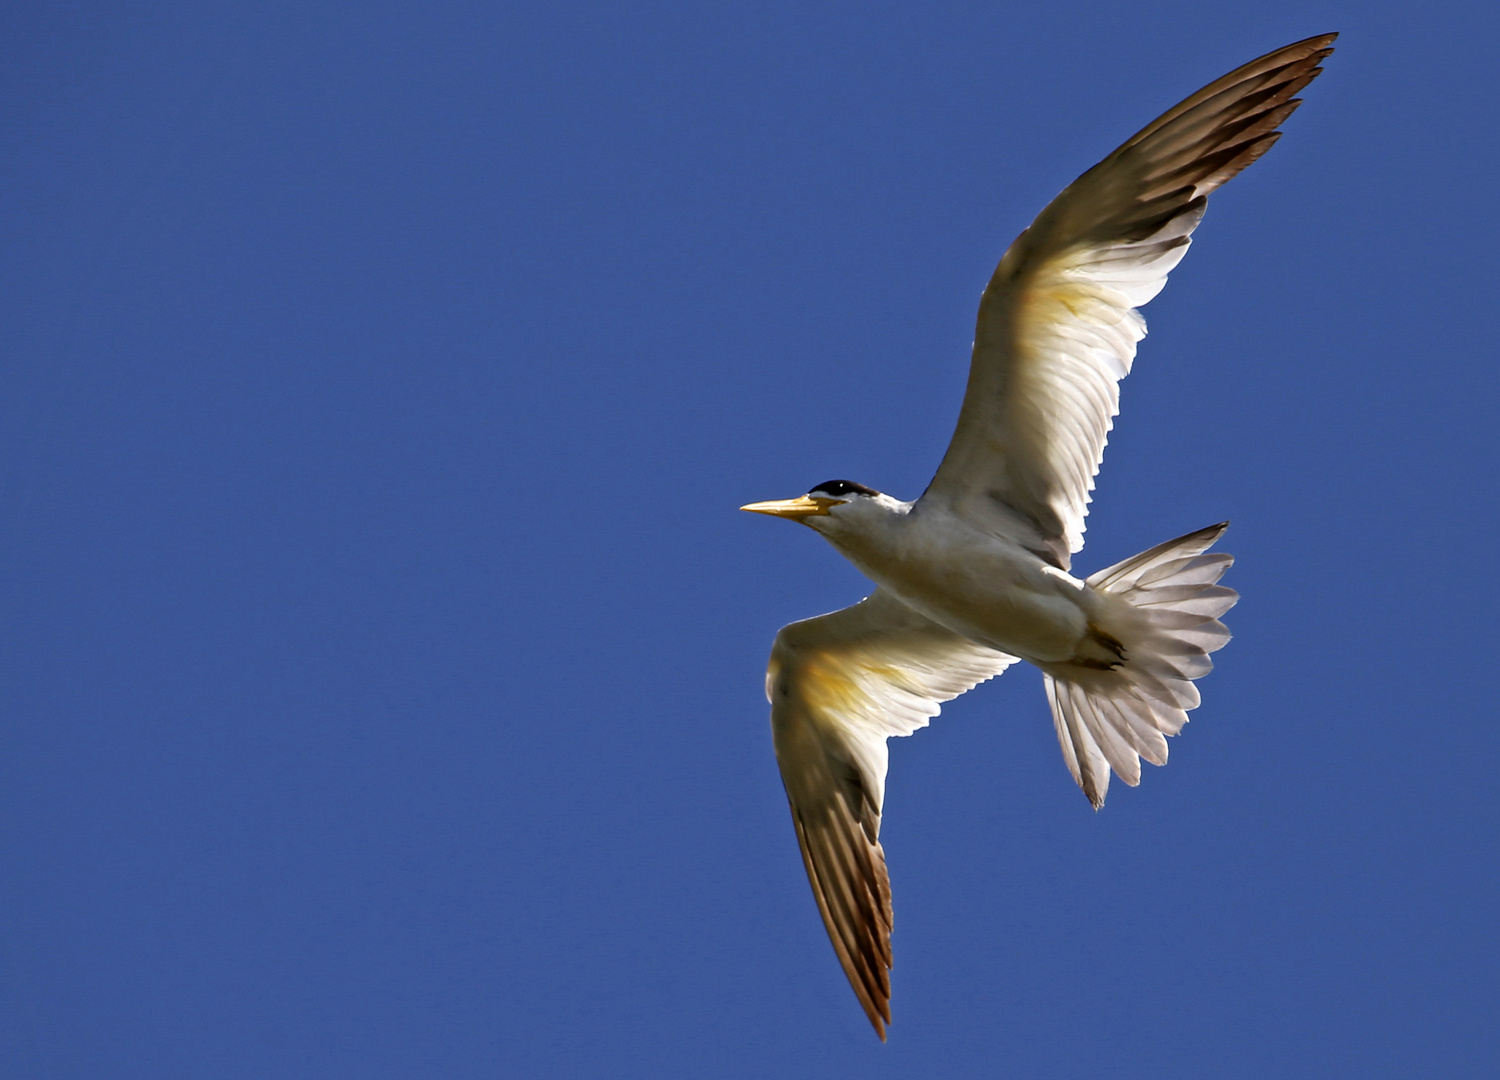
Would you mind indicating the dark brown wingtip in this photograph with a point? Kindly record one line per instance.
(1319, 43)
(846, 869)
(1302, 56)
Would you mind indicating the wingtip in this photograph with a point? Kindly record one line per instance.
(1316, 42)
(1213, 532)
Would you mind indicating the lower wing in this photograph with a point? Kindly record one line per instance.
(840, 685)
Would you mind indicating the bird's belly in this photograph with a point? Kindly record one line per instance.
(1010, 601)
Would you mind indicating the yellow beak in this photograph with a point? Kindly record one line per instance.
(803, 506)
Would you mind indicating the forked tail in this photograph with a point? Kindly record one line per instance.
(1166, 627)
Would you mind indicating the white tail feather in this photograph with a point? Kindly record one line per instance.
(1167, 626)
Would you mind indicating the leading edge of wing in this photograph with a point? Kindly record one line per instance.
(840, 685)
(1057, 327)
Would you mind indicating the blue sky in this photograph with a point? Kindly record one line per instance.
(381, 649)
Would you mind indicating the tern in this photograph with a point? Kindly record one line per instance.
(975, 574)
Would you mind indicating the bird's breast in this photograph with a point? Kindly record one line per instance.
(978, 585)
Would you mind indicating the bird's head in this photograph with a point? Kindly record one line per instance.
(831, 506)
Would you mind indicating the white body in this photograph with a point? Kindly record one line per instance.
(977, 584)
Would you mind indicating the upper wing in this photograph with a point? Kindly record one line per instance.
(839, 686)
(1057, 327)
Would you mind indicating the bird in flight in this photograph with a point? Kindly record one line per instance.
(974, 575)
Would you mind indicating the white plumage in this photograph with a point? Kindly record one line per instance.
(975, 574)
